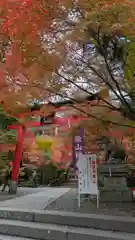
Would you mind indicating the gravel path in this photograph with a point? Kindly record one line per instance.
(68, 202)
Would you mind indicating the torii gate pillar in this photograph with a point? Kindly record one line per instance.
(17, 160)
(18, 153)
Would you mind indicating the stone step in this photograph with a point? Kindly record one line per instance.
(73, 182)
(40, 231)
(71, 219)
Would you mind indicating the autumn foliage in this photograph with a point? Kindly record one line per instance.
(28, 60)
(26, 65)
(112, 16)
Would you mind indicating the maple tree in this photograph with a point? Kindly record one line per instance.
(101, 54)
(31, 62)
(109, 27)
(27, 60)
(24, 54)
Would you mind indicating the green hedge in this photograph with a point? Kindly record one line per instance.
(50, 174)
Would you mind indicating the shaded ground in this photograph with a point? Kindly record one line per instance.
(68, 202)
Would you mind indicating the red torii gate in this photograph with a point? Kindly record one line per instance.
(19, 144)
(21, 134)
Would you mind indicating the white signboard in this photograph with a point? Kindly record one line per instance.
(92, 166)
(87, 175)
(83, 175)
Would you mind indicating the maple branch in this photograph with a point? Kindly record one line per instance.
(81, 110)
(98, 74)
(75, 107)
(86, 91)
(120, 97)
(110, 72)
(88, 114)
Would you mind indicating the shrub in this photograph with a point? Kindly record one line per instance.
(51, 174)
